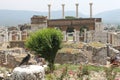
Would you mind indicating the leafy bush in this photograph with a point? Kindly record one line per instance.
(46, 42)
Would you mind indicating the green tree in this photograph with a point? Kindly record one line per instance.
(46, 42)
(70, 17)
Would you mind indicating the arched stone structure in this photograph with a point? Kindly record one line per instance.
(70, 33)
(77, 24)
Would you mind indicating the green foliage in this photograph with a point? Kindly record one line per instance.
(70, 17)
(110, 74)
(64, 73)
(45, 42)
(78, 72)
(49, 77)
(95, 68)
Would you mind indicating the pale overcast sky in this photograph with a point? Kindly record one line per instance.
(42, 5)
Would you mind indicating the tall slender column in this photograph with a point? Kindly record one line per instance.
(65, 37)
(90, 9)
(49, 11)
(17, 36)
(20, 35)
(74, 35)
(108, 54)
(7, 36)
(63, 13)
(77, 10)
(85, 35)
(10, 36)
(77, 36)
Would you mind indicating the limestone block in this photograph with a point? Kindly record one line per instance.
(28, 72)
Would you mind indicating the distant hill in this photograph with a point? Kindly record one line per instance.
(112, 16)
(15, 17)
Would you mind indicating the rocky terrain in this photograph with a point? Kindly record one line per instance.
(94, 53)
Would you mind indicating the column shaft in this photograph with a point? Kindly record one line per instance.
(91, 10)
(63, 15)
(77, 10)
(49, 11)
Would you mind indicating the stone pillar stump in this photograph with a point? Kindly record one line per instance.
(28, 72)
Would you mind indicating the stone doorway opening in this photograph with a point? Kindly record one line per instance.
(70, 34)
(82, 34)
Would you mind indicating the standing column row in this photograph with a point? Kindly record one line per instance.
(63, 11)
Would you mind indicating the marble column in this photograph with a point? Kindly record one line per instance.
(10, 36)
(74, 35)
(77, 10)
(49, 11)
(65, 37)
(6, 36)
(20, 36)
(85, 35)
(113, 39)
(63, 12)
(17, 36)
(77, 36)
(90, 9)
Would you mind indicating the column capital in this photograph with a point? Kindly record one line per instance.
(77, 4)
(49, 5)
(91, 3)
(63, 4)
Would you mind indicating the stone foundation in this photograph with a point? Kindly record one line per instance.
(63, 58)
(11, 61)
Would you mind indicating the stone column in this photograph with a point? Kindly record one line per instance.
(74, 35)
(63, 15)
(64, 34)
(10, 36)
(77, 36)
(49, 11)
(20, 35)
(4, 38)
(112, 39)
(85, 35)
(7, 36)
(91, 9)
(77, 10)
(17, 36)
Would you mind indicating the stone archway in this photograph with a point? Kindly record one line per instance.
(70, 34)
(75, 23)
(82, 33)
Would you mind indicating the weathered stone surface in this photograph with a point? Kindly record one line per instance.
(28, 72)
(13, 60)
(99, 56)
(70, 58)
(17, 44)
(93, 53)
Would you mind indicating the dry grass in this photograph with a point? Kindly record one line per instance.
(96, 44)
(68, 50)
